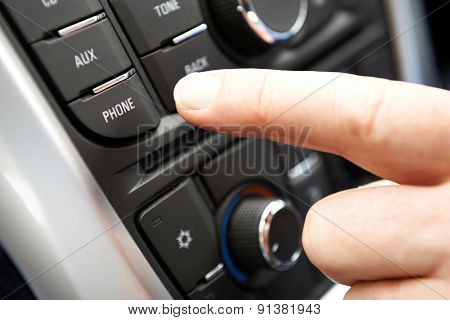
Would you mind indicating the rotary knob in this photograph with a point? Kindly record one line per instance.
(265, 234)
(254, 26)
(260, 236)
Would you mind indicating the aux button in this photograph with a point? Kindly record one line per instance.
(83, 59)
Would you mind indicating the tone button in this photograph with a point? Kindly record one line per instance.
(150, 22)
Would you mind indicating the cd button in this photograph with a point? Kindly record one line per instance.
(37, 18)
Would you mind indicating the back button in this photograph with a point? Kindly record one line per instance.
(168, 65)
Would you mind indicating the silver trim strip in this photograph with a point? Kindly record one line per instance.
(305, 167)
(272, 209)
(190, 34)
(55, 222)
(113, 82)
(214, 272)
(82, 24)
(412, 46)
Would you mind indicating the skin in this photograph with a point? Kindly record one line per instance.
(388, 240)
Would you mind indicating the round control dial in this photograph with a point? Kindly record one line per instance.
(265, 233)
(255, 25)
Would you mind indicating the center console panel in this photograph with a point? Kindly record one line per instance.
(207, 211)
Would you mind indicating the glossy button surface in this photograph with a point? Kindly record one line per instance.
(150, 22)
(168, 65)
(181, 230)
(39, 17)
(122, 111)
(83, 59)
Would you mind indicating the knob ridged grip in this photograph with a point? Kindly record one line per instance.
(244, 234)
(265, 234)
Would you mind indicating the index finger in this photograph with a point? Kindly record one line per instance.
(396, 130)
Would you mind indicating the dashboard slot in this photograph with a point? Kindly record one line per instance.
(162, 156)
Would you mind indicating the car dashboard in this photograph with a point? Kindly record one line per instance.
(107, 193)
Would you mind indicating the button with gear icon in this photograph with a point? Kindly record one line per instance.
(184, 239)
(180, 229)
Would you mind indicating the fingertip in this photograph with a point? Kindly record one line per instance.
(196, 91)
(314, 235)
(323, 234)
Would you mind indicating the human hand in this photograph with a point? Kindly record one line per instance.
(386, 241)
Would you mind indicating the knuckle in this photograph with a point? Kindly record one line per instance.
(367, 113)
(263, 110)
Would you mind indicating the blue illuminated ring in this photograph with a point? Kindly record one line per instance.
(234, 270)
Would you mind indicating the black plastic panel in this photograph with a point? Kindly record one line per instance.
(137, 172)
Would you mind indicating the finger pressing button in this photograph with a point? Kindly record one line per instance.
(168, 65)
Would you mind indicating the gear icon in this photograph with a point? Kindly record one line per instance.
(184, 239)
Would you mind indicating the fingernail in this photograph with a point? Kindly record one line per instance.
(197, 91)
